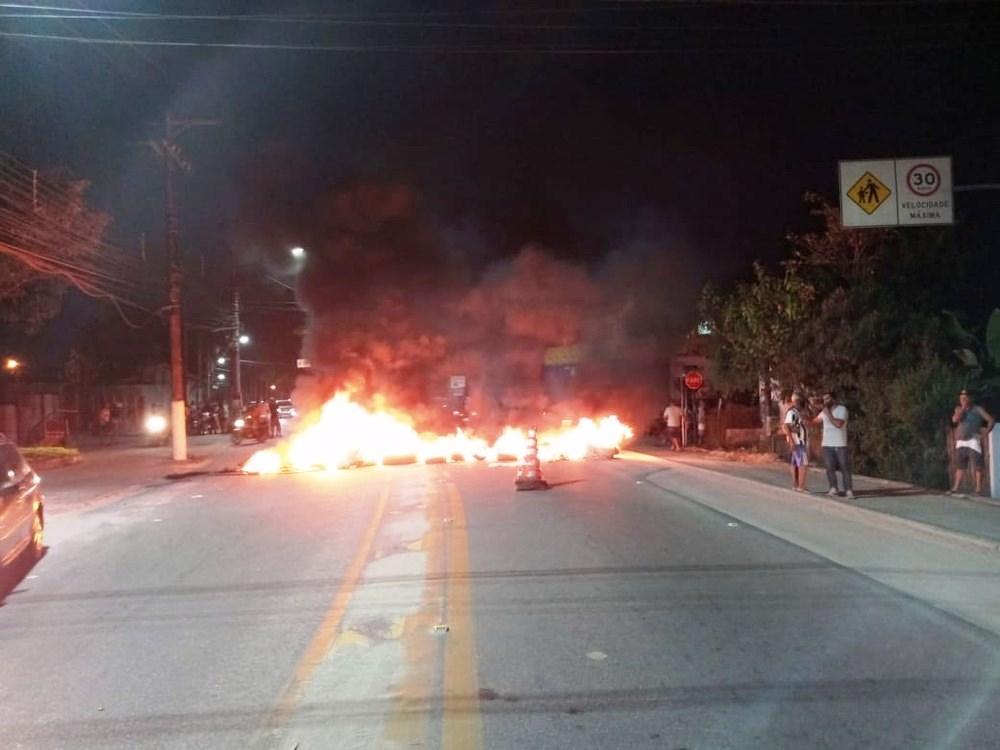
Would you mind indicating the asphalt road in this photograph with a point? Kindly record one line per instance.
(433, 606)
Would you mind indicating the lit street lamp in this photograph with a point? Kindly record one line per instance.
(221, 360)
(243, 339)
(221, 376)
(298, 252)
(11, 365)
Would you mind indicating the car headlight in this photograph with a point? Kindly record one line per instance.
(239, 424)
(156, 424)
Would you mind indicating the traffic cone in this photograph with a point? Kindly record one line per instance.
(529, 469)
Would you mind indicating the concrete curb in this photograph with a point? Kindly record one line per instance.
(853, 512)
(47, 464)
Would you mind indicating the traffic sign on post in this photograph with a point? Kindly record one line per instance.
(694, 380)
(896, 192)
(868, 193)
(924, 191)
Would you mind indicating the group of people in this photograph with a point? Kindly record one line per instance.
(211, 418)
(971, 424)
(673, 417)
(266, 412)
(833, 416)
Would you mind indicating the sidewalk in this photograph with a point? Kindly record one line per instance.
(975, 518)
(108, 473)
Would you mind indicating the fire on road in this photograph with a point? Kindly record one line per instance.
(345, 433)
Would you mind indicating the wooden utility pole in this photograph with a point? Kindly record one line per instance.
(172, 160)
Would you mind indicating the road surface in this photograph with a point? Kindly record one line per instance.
(433, 606)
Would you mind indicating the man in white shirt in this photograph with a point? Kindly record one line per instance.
(672, 416)
(835, 455)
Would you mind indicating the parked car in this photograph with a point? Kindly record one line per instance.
(22, 519)
(285, 409)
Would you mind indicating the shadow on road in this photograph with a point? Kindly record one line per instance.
(553, 485)
(16, 572)
(889, 493)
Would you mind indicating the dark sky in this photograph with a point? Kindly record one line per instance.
(581, 126)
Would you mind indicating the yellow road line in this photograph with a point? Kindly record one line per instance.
(325, 635)
(462, 723)
(409, 722)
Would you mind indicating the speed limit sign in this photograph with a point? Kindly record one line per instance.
(923, 191)
(923, 179)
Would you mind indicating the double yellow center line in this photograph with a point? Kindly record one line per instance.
(447, 548)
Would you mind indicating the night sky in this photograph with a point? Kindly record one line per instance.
(586, 128)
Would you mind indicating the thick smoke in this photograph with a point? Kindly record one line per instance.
(395, 309)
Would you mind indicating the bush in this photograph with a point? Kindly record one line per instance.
(898, 423)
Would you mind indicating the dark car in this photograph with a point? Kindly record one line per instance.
(22, 520)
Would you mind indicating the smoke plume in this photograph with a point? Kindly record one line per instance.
(395, 308)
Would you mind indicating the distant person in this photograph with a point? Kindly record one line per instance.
(797, 435)
(672, 416)
(272, 406)
(104, 424)
(117, 411)
(835, 456)
(701, 423)
(971, 424)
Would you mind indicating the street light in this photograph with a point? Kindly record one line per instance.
(221, 376)
(274, 387)
(221, 360)
(298, 252)
(11, 365)
(244, 339)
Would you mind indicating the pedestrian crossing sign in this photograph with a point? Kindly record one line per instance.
(869, 192)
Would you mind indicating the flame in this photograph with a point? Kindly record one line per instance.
(345, 434)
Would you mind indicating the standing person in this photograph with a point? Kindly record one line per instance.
(672, 415)
(797, 435)
(971, 423)
(104, 424)
(835, 456)
(701, 422)
(272, 405)
(225, 415)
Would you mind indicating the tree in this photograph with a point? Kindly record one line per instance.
(980, 357)
(854, 311)
(753, 331)
(48, 240)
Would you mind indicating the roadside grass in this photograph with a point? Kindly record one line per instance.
(48, 452)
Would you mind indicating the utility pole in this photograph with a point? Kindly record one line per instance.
(237, 378)
(178, 395)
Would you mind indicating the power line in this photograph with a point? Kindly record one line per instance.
(487, 50)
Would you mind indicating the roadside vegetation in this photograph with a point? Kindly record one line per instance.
(894, 321)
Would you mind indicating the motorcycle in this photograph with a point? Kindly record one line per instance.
(249, 427)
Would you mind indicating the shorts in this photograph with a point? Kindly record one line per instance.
(966, 457)
(800, 456)
(674, 432)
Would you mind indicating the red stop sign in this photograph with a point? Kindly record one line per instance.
(694, 380)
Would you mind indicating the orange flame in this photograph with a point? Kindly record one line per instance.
(346, 434)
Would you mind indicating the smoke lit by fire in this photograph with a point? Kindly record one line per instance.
(345, 434)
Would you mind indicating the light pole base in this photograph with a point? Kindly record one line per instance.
(178, 430)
